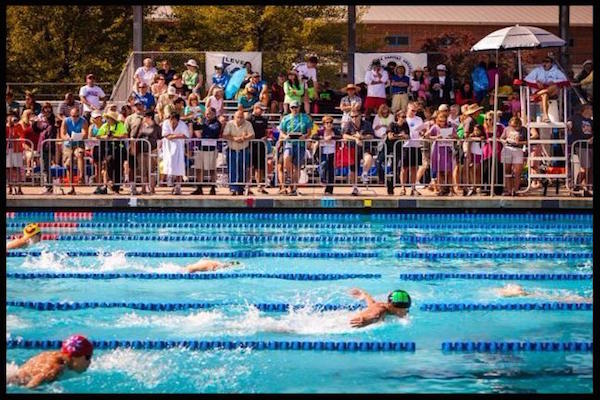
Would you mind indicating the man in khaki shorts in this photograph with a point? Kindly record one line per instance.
(205, 156)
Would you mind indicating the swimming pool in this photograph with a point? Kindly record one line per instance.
(449, 263)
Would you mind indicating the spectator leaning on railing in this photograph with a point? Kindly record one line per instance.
(173, 150)
(92, 97)
(294, 129)
(356, 132)
(133, 124)
(14, 155)
(45, 127)
(259, 148)
(580, 128)
(74, 127)
(327, 137)
(205, 156)
(239, 132)
(113, 151)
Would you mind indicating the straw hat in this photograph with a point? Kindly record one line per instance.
(112, 114)
(351, 86)
(472, 108)
(191, 63)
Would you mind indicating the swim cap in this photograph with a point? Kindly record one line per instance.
(31, 230)
(77, 346)
(399, 298)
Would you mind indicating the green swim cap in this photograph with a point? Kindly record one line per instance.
(399, 298)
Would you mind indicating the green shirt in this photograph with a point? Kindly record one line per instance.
(118, 130)
(190, 79)
(292, 93)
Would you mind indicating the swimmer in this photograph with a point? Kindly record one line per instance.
(398, 304)
(513, 290)
(75, 354)
(210, 265)
(31, 234)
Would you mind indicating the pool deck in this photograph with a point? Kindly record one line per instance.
(309, 198)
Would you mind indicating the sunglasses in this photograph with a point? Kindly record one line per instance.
(328, 122)
(355, 116)
(292, 107)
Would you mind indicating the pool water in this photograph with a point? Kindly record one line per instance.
(426, 370)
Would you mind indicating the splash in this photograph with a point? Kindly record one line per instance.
(14, 322)
(11, 370)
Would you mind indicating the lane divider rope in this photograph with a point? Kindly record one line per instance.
(517, 346)
(507, 306)
(187, 276)
(434, 255)
(496, 276)
(217, 344)
(74, 305)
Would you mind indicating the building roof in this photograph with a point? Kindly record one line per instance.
(475, 15)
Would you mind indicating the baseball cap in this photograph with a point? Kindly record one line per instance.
(96, 114)
(294, 103)
(443, 107)
(440, 67)
(171, 90)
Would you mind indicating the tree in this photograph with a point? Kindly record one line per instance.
(64, 43)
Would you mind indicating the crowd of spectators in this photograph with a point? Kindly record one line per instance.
(434, 131)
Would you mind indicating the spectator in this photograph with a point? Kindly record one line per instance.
(31, 104)
(181, 88)
(454, 115)
(12, 106)
(249, 72)
(398, 132)
(192, 77)
(144, 96)
(580, 130)
(357, 131)
(173, 150)
(166, 71)
(417, 84)
(399, 83)
(512, 156)
(216, 101)
(492, 71)
(164, 101)
(587, 85)
(441, 87)
(194, 111)
(514, 104)
(219, 78)
(239, 132)
(264, 98)
(91, 96)
(350, 102)
(277, 94)
(45, 128)
(475, 159)
(382, 121)
(294, 129)
(133, 124)
(480, 82)
(146, 156)
(441, 156)
(205, 156)
(487, 151)
(293, 89)
(64, 109)
(255, 82)
(178, 106)
(411, 149)
(25, 129)
(247, 100)
(126, 111)
(159, 87)
(586, 68)
(14, 155)
(96, 123)
(327, 137)
(112, 153)
(145, 73)
(426, 87)
(326, 102)
(73, 130)
(547, 79)
(465, 94)
(376, 79)
(307, 73)
(390, 68)
(258, 148)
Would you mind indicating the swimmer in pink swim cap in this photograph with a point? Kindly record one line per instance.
(75, 354)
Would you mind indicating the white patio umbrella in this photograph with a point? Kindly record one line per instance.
(514, 38)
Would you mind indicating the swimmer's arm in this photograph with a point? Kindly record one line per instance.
(365, 318)
(362, 295)
(46, 375)
(15, 244)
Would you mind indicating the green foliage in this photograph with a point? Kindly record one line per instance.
(455, 51)
(64, 43)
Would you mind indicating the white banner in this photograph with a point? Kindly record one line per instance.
(232, 61)
(363, 61)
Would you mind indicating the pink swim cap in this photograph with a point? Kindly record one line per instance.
(77, 346)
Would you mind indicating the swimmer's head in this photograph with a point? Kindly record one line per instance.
(399, 299)
(79, 350)
(32, 232)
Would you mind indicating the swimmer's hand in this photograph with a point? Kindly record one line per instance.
(358, 322)
(362, 295)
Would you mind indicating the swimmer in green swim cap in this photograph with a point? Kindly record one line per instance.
(210, 265)
(398, 304)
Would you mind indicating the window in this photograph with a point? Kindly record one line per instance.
(396, 40)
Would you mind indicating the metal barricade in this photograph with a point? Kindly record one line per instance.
(22, 163)
(581, 158)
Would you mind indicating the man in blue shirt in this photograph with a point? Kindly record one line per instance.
(399, 83)
(247, 100)
(219, 78)
(205, 153)
(145, 97)
(294, 128)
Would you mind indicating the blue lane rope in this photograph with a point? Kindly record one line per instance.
(199, 254)
(418, 254)
(217, 344)
(435, 255)
(517, 346)
(288, 225)
(74, 305)
(123, 215)
(496, 276)
(187, 276)
(507, 306)
(225, 238)
(501, 238)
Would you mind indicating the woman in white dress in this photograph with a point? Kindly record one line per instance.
(173, 149)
